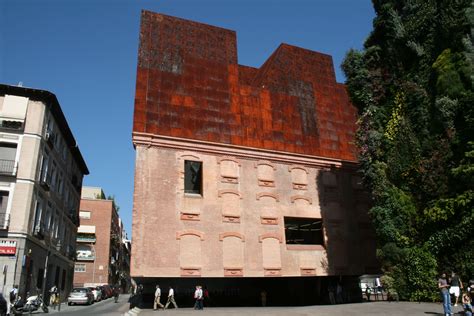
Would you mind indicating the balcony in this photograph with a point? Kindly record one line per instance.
(7, 167)
(80, 256)
(11, 125)
(4, 221)
(86, 238)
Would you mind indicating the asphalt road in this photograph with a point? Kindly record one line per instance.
(106, 308)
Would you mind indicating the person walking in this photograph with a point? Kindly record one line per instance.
(116, 293)
(54, 296)
(456, 287)
(157, 298)
(198, 295)
(444, 286)
(466, 304)
(171, 298)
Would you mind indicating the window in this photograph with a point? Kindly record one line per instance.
(3, 201)
(39, 280)
(7, 158)
(44, 168)
(193, 177)
(80, 267)
(304, 231)
(84, 215)
(38, 214)
(63, 279)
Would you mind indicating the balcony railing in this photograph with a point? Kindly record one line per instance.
(86, 239)
(80, 256)
(7, 167)
(4, 220)
(11, 125)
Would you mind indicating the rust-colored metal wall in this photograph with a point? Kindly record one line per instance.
(189, 85)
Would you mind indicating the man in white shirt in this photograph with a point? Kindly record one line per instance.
(199, 297)
(157, 298)
(171, 298)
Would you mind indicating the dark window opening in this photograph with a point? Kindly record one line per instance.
(39, 280)
(193, 177)
(63, 280)
(304, 231)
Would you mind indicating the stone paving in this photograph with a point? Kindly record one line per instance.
(371, 308)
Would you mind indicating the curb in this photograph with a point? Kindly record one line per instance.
(133, 312)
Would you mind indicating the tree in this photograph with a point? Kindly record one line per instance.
(413, 86)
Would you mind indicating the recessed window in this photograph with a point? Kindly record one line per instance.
(84, 215)
(7, 158)
(304, 231)
(193, 177)
(79, 267)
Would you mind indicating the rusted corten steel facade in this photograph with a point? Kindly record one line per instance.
(190, 85)
(275, 145)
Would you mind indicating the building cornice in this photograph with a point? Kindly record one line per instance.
(160, 141)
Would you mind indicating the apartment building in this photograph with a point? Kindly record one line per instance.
(41, 172)
(245, 178)
(100, 253)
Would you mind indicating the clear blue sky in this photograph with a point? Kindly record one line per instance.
(85, 52)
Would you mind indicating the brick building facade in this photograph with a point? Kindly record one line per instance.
(99, 248)
(245, 178)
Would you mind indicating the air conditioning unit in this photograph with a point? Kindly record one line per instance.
(45, 184)
(49, 137)
(38, 232)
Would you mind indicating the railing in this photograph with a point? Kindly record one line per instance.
(4, 220)
(84, 257)
(86, 239)
(9, 125)
(7, 167)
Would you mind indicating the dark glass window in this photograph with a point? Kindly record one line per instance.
(193, 177)
(304, 231)
(39, 280)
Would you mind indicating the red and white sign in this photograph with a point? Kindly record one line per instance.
(8, 247)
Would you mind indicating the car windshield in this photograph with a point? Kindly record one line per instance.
(79, 290)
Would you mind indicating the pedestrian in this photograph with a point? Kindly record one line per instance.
(444, 289)
(3, 306)
(116, 293)
(207, 298)
(13, 294)
(339, 298)
(368, 291)
(170, 298)
(54, 296)
(139, 296)
(466, 304)
(157, 298)
(263, 297)
(456, 287)
(198, 296)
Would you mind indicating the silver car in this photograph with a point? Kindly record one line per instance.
(80, 295)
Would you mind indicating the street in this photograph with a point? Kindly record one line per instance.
(106, 307)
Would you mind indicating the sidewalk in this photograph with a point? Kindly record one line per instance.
(371, 308)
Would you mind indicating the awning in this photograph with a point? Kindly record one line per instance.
(86, 229)
(14, 107)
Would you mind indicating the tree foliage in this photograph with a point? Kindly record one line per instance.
(413, 86)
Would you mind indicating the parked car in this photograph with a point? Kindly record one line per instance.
(95, 293)
(106, 292)
(110, 291)
(80, 295)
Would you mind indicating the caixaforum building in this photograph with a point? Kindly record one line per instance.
(245, 178)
